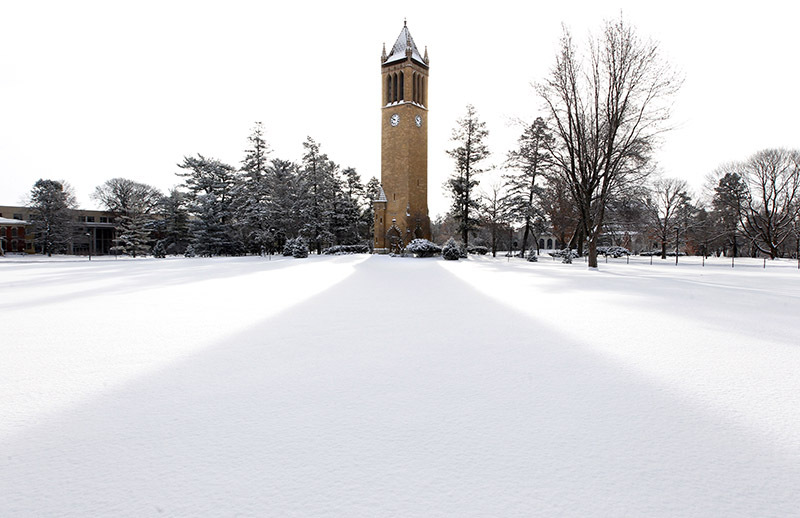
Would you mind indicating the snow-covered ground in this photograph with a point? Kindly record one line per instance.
(377, 386)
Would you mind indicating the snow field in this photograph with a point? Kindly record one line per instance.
(354, 386)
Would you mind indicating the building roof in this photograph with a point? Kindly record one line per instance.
(381, 194)
(12, 222)
(399, 50)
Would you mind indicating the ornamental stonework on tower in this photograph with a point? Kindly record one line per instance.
(401, 211)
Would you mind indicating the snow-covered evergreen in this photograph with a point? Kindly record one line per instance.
(423, 248)
(451, 250)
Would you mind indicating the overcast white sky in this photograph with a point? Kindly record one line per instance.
(95, 90)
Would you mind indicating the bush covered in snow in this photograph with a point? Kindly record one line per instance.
(423, 248)
(451, 251)
(159, 250)
(189, 252)
(478, 250)
(532, 257)
(613, 251)
(572, 254)
(346, 249)
(288, 247)
(300, 248)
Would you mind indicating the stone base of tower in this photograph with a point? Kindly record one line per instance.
(392, 234)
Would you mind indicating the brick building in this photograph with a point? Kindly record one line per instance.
(92, 231)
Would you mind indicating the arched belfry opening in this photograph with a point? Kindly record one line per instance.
(403, 203)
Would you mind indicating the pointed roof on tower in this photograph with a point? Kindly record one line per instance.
(404, 48)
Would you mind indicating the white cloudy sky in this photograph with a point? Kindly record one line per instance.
(94, 90)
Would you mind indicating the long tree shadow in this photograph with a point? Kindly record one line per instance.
(401, 391)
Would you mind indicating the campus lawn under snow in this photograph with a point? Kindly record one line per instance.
(377, 386)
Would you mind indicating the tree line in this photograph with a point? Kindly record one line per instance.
(583, 172)
(219, 209)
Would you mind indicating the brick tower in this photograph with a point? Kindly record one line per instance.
(401, 211)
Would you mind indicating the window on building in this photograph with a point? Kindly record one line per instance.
(13, 231)
(90, 219)
(18, 216)
(103, 219)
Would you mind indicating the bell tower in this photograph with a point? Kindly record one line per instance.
(401, 211)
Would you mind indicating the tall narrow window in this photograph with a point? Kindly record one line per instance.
(402, 85)
(422, 93)
(394, 87)
(388, 88)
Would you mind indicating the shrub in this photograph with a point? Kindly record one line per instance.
(423, 248)
(613, 251)
(478, 250)
(159, 250)
(532, 257)
(561, 253)
(346, 249)
(288, 247)
(300, 248)
(451, 251)
(189, 251)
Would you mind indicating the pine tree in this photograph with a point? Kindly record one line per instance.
(159, 250)
(730, 197)
(252, 194)
(173, 221)
(531, 160)
(210, 184)
(450, 250)
(315, 205)
(51, 203)
(470, 135)
(285, 191)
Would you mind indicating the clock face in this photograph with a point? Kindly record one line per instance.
(418, 121)
(395, 120)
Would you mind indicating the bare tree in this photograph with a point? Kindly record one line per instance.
(606, 116)
(135, 205)
(772, 177)
(496, 210)
(667, 208)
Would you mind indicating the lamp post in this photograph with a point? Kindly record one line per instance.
(89, 236)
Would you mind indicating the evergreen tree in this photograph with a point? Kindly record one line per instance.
(134, 206)
(531, 160)
(51, 205)
(173, 221)
(299, 248)
(470, 134)
(315, 205)
(730, 198)
(451, 251)
(159, 250)
(252, 195)
(285, 191)
(210, 184)
(348, 203)
(371, 192)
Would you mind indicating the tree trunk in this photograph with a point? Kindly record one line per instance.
(593, 252)
(663, 249)
(525, 238)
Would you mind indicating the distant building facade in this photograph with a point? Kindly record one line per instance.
(93, 231)
(401, 211)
